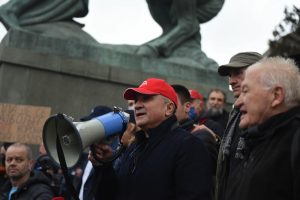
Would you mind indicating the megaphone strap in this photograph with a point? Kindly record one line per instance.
(63, 164)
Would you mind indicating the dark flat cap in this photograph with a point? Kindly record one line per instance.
(240, 60)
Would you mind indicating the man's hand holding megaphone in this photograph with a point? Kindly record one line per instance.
(103, 152)
(100, 152)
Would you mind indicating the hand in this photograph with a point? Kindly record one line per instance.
(100, 152)
(203, 127)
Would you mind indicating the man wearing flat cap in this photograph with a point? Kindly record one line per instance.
(165, 162)
(232, 145)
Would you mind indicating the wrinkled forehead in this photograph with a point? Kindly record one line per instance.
(216, 94)
(252, 77)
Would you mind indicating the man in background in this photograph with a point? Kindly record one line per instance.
(198, 113)
(197, 105)
(206, 135)
(23, 182)
(215, 107)
(3, 175)
(231, 145)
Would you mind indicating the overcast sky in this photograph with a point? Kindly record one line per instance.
(241, 25)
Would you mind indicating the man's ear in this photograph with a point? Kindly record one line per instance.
(278, 96)
(187, 107)
(171, 109)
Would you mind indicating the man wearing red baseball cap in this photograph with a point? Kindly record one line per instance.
(165, 162)
(158, 102)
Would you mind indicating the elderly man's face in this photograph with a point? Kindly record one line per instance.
(254, 101)
(151, 110)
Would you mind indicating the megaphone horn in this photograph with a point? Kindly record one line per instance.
(74, 137)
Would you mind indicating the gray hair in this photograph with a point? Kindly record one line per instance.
(279, 71)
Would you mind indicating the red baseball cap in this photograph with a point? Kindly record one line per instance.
(195, 95)
(152, 86)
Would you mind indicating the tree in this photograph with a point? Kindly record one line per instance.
(286, 40)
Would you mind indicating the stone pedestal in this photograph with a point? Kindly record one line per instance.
(72, 77)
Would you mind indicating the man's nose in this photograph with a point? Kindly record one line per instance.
(137, 105)
(232, 80)
(213, 102)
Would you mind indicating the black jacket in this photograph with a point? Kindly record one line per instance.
(207, 139)
(219, 119)
(270, 168)
(36, 188)
(170, 164)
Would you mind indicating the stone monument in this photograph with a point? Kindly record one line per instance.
(46, 59)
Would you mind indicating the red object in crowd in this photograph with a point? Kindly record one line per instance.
(195, 95)
(58, 198)
(152, 86)
(2, 169)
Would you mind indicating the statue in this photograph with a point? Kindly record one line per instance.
(19, 13)
(179, 20)
(52, 18)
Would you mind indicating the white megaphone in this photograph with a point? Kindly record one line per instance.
(74, 137)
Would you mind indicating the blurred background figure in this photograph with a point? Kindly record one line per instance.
(3, 175)
(216, 107)
(52, 171)
(130, 104)
(199, 114)
(197, 105)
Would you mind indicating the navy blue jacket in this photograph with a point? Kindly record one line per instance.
(170, 164)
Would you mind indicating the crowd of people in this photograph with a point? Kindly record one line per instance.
(180, 145)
